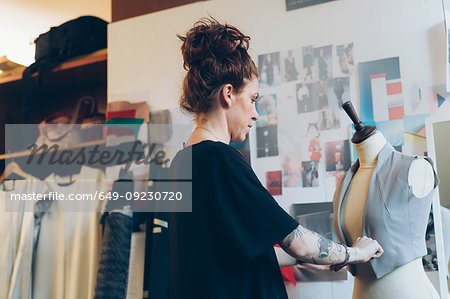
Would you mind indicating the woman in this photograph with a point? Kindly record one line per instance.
(224, 247)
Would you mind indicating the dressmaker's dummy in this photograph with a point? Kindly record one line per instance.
(400, 275)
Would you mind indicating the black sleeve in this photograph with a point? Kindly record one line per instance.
(252, 221)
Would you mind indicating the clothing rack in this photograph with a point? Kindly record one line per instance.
(28, 152)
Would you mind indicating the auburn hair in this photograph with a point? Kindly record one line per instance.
(214, 55)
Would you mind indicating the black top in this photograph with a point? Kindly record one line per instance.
(224, 247)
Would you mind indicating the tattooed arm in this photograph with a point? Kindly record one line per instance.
(310, 247)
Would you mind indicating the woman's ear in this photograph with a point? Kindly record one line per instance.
(227, 94)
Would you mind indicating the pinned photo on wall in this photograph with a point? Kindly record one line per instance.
(317, 217)
(323, 62)
(338, 92)
(266, 106)
(291, 65)
(296, 4)
(310, 174)
(435, 100)
(314, 146)
(304, 99)
(269, 69)
(266, 141)
(380, 90)
(337, 156)
(437, 96)
(346, 62)
(308, 64)
(291, 165)
(312, 96)
(273, 182)
(322, 94)
(308, 125)
(312, 123)
(243, 147)
(329, 119)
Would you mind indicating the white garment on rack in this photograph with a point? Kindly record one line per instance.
(68, 250)
(16, 235)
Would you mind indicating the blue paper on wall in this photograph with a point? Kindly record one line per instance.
(380, 90)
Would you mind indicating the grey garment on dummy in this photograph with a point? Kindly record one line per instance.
(392, 215)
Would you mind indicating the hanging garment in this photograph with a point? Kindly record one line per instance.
(392, 215)
(16, 235)
(112, 277)
(67, 249)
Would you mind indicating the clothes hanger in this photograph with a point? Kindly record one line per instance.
(13, 169)
(13, 172)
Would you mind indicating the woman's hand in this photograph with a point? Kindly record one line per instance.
(364, 250)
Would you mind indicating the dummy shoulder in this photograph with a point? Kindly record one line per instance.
(421, 177)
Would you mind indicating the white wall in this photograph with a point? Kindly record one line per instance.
(412, 30)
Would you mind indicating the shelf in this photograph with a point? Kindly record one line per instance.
(97, 56)
(85, 70)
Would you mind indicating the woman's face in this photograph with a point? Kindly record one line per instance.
(243, 112)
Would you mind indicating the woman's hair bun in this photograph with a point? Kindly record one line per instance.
(214, 55)
(210, 39)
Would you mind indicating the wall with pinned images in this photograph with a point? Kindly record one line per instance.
(387, 57)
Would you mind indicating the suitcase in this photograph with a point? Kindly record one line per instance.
(73, 38)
